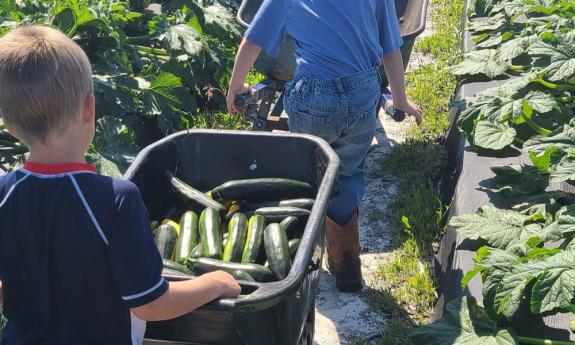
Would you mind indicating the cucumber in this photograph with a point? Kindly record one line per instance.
(262, 189)
(254, 239)
(225, 238)
(301, 203)
(188, 238)
(174, 266)
(205, 265)
(211, 234)
(172, 223)
(237, 230)
(193, 197)
(165, 237)
(277, 214)
(288, 223)
(168, 271)
(293, 245)
(243, 275)
(277, 250)
(198, 251)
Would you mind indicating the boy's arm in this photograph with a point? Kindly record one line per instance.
(393, 64)
(247, 55)
(185, 296)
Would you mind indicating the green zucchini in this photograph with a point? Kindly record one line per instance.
(172, 272)
(288, 223)
(254, 239)
(277, 214)
(193, 197)
(237, 230)
(198, 251)
(189, 236)
(277, 250)
(301, 203)
(293, 245)
(262, 189)
(211, 234)
(225, 237)
(205, 265)
(165, 237)
(174, 266)
(243, 275)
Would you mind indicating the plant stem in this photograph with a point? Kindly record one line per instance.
(155, 57)
(518, 141)
(540, 130)
(154, 51)
(518, 68)
(570, 308)
(535, 341)
(138, 40)
(562, 87)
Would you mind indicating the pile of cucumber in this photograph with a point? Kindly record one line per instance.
(249, 228)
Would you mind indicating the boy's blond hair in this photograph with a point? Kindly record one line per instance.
(45, 78)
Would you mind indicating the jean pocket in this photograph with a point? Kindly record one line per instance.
(300, 122)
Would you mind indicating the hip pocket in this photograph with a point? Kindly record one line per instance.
(307, 121)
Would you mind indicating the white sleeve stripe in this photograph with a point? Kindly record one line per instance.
(88, 209)
(144, 293)
(12, 189)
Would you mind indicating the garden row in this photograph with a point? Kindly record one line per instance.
(507, 271)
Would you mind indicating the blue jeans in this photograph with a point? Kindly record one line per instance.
(343, 112)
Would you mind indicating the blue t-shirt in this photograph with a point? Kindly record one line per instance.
(76, 253)
(334, 38)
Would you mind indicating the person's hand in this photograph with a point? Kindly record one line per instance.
(410, 108)
(228, 284)
(232, 94)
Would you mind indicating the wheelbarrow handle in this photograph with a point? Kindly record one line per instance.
(258, 92)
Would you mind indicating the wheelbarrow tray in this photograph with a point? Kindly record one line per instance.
(266, 313)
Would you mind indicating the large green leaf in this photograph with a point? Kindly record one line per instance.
(557, 59)
(517, 179)
(564, 171)
(554, 278)
(513, 48)
(493, 136)
(115, 95)
(113, 148)
(546, 204)
(500, 229)
(563, 138)
(484, 62)
(220, 22)
(464, 323)
(185, 39)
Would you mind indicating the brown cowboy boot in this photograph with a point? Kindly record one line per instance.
(343, 254)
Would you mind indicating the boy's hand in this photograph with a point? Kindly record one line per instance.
(231, 98)
(228, 284)
(410, 108)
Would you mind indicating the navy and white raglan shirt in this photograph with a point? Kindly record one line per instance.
(76, 253)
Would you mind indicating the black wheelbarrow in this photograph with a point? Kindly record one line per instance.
(277, 313)
(265, 104)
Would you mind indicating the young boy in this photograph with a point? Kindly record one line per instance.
(78, 264)
(334, 95)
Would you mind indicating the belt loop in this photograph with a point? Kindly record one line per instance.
(298, 85)
(340, 88)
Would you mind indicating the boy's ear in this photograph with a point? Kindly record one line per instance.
(90, 108)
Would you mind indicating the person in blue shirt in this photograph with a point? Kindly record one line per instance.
(78, 263)
(335, 94)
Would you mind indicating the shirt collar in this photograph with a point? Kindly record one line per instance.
(53, 169)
